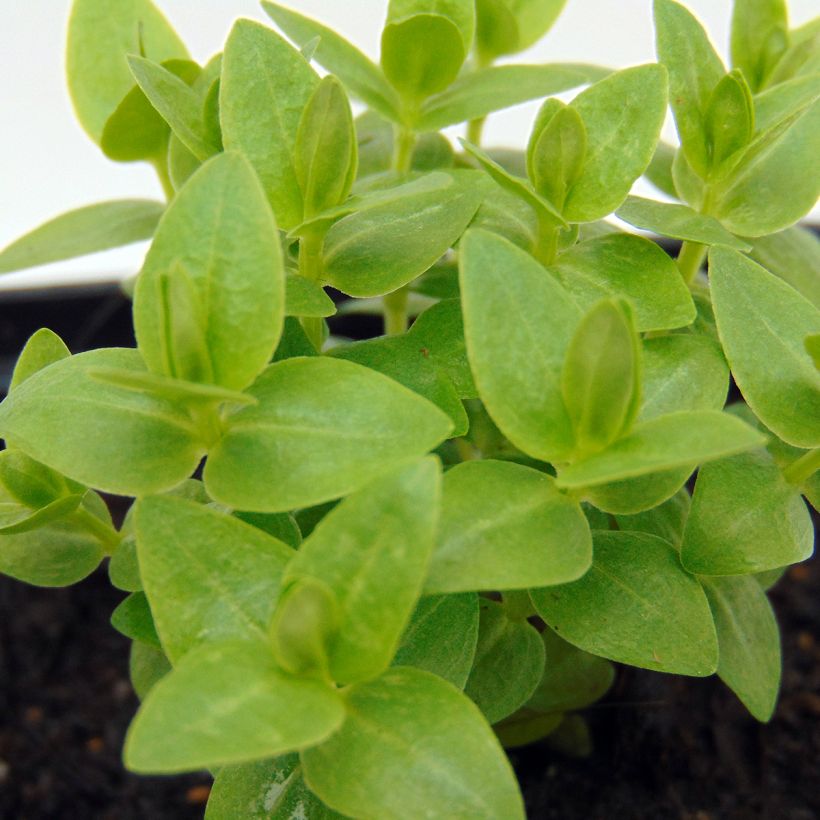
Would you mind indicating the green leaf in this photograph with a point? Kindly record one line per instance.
(220, 231)
(372, 552)
(663, 443)
(359, 74)
(509, 663)
(42, 349)
(773, 529)
(133, 619)
(667, 520)
(637, 605)
(509, 26)
(441, 637)
(694, 70)
(100, 34)
(266, 790)
(208, 576)
(103, 436)
(623, 115)
(794, 256)
(306, 298)
(506, 526)
(729, 121)
(18, 518)
(297, 448)
(411, 745)
(631, 496)
(481, 92)
(678, 222)
(123, 567)
(601, 379)
(282, 526)
(518, 322)
(326, 150)
(749, 642)
(228, 703)
(177, 103)
(377, 250)
(631, 268)
(87, 230)
(266, 85)
(146, 666)
(760, 36)
(761, 319)
(659, 170)
(682, 372)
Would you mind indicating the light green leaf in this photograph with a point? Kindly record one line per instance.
(509, 26)
(659, 170)
(298, 447)
(667, 520)
(749, 642)
(631, 268)
(411, 745)
(208, 576)
(266, 790)
(761, 319)
(637, 605)
(266, 85)
(42, 349)
(677, 221)
(373, 551)
(773, 529)
(505, 526)
(87, 230)
(103, 436)
(361, 76)
(518, 322)
(17, 518)
(146, 666)
(220, 230)
(100, 34)
(306, 298)
(682, 372)
(228, 703)
(509, 663)
(377, 250)
(663, 443)
(760, 36)
(133, 619)
(601, 378)
(729, 121)
(481, 92)
(631, 496)
(623, 115)
(694, 70)
(123, 567)
(441, 637)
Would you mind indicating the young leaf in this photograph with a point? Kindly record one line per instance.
(42, 349)
(636, 605)
(623, 115)
(123, 566)
(506, 526)
(775, 528)
(509, 26)
(557, 158)
(412, 744)
(361, 76)
(677, 221)
(674, 440)
(631, 268)
(87, 230)
(103, 436)
(228, 703)
(694, 70)
(600, 381)
(761, 319)
(378, 250)
(749, 642)
(220, 231)
(296, 448)
(631, 496)
(667, 520)
(266, 84)
(146, 666)
(372, 552)
(208, 576)
(100, 34)
(306, 298)
(729, 121)
(509, 663)
(133, 619)
(518, 323)
(441, 637)
(760, 35)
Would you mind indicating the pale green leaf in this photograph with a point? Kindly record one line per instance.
(306, 298)
(133, 619)
(631, 496)
(509, 26)
(146, 666)
(760, 36)
(42, 349)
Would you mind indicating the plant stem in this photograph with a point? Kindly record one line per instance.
(161, 167)
(690, 259)
(475, 130)
(405, 143)
(310, 266)
(547, 248)
(109, 537)
(395, 312)
(800, 471)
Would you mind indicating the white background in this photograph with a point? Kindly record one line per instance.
(48, 165)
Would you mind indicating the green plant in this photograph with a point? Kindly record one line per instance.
(324, 657)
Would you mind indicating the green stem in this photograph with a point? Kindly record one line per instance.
(475, 130)
(800, 471)
(161, 167)
(547, 248)
(403, 148)
(690, 259)
(395, 312)
(310, 266)
(109, 537)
